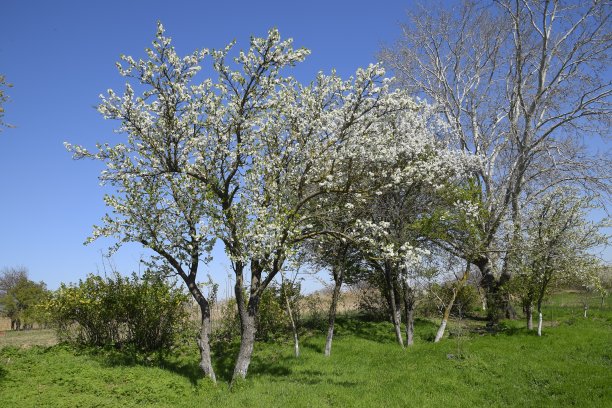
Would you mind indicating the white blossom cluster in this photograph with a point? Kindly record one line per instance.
(253, 157)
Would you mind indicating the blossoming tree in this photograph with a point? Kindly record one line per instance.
(249, 157)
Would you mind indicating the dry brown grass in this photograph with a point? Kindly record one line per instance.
(28, 338)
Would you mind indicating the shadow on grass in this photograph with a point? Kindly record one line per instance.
(178, 363)
(315, 377)
(365, 328)
(381, 331)
(185, 362)
(263, 362)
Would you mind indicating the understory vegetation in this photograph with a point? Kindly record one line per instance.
(569, 365)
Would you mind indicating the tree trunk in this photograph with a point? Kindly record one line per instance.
(504, 297)
(395, 312)
(203, 338)
(338, 275)
(483, 299)
(529, 315)
(409, 311)
(539, 319)
(449, 305)
(410, 327)
(204, 343)
(247, 314)
(442, 327)
(492, 288)
(296, 340)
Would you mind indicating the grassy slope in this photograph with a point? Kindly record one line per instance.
(571, 365)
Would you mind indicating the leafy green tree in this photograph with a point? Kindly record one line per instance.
(19, 297)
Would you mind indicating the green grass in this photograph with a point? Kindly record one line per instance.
(571, 365)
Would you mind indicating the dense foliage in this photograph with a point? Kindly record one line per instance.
(20, 297)
(273, 322)
(145, 312)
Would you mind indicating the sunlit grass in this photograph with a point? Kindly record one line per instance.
(571, 365)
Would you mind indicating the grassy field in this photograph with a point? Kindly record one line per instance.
(571, 365)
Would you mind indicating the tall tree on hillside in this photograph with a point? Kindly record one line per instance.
(520, 82)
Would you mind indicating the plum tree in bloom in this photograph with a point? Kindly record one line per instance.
(249, 157)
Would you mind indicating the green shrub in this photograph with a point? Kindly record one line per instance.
(145, 313)
(466, 303)
(272, 321)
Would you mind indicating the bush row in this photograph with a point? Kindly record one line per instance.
(146, 313)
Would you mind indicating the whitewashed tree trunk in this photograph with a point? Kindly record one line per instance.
(332, 312)
(449, 305)
(296, 339)
(247, 313)
(398, 327)
(441, 330)
(539, 323)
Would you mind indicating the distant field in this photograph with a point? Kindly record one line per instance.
(571, 365)
(28, 338)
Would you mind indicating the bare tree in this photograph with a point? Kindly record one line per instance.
(3, 99)
(10, 276)
(519, 82)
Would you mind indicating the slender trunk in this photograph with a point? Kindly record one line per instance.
(296, 340)
(441, 329)
(483, 299)
(338, 275)
(539, 318)
(204, 342)
(504, 296)
(529, 313)
(410, 326)
(449, 305)
(395, 312)
(409, 311)
(445, 316)
(586, 307)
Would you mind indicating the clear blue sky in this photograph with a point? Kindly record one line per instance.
(60, 55)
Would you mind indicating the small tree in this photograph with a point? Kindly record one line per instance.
(19, 297)
(555, 247)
